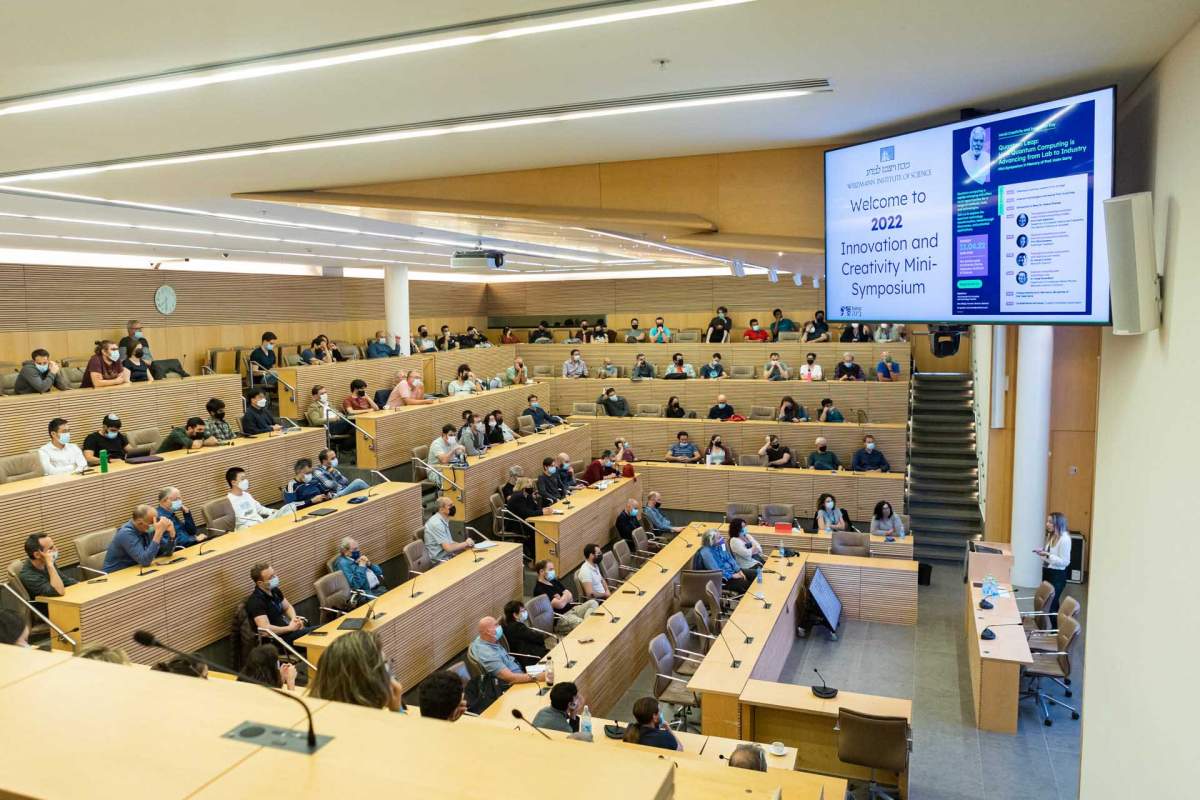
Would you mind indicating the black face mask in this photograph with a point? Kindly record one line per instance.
(811, 360)
(823, 448)
(633, 325)
(360, 392)
(679, 361)
(199, 435)
(219, 414)
(529, 492)
(452, 511)
(137, 353)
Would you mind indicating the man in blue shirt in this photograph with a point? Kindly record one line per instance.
(494, 659)
(683, 451)
(378, 348)
(887, 369)
(361, 574)
(660, 333)
(713, 555)
(722, 410)
(781, 325)
(829, 412)
(139, 540)
(656, 518)
(541, 418)
(714, 368)
(263, 357)
(306, 488)
(331, 479)
(869, 459)
(171, 507)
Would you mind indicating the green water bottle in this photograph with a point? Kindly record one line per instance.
(103, 461)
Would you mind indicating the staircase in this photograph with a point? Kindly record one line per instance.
(943, 485)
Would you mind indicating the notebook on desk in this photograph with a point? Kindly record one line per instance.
(322, 512)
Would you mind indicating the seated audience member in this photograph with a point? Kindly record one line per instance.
(13, 628)
(678, 370)
(465, 384)
(714, 368)
(562, 714)
(565, 474)
(650, 729)
(541, 333)
(749, 756)
(105, 654)
(354, 670)
(39, 571)
(722, 410)
(888, 369)
(829, 412)
(494, 659)
(138, 365)
(575, 366)
(331, 478)
(560, 597)
(444, 450)
(542, 419)
(584, 334)
(104, 368)
(179, 665)
(856, 332)
(423, 342)
(627, 520)
(780, 324)
(316, 353)
(361, 574)
(614, 405)
(790, 411)
(746, 550)
(820, 327)
(601, 333)
(139, 540)
(507, 336)
(777, 454)
(718, 453)
(409, 391)
(257, 418)
(683, 451)
(264, 667)
(515, 473)
(304, 487)
(246, 510)
(623, 451)
(589, 577)
(848, 370)
(320, 413)
(379, 347)
(607, 369)
(439, 542)
(59, 456)
(474, 338)
(474, 437)
(714, 555)
(522, 504)
(192, 436)
(718, 328)
(885, 522)
(517, 373)
(108, 437)
(358, 401)
(600, 468)
(776, 369)
(869, 458)
(755, 333)
(823, 457)
(660, 333)
(264, 358)
(634, 334)
(443, 696)
(39, 375)
(497, 430)
(655, 520)
(885, 332)
(829, 516)
(526, 644)
(171, 508)
(674, 410)
(215, 425)
(268, 609)
(810, 370)
(447, 341)
(642, 369)
(134, 338)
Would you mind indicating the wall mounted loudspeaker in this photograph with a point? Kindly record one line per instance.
(737, 268)
(1132, 264)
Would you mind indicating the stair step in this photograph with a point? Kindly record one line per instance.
(949, 486)
(947, 527)
(950, 462)
(944, 377)
(950, 450)
(929, 511)
(943, 497)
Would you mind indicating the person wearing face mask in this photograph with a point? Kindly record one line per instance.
(713, 369)
(515, 473)
(791, 411)
(171, 508)
(498, 431)
(465, 384)
(660, 333)
(562, 715)
(475, 339)
(358, 401)
(139, 540)
(518, 373)
(627, 520)
(14, 630)
(719, 453)
(623, 451)
(885, 332)
(39, 571)
(268, 609)
(496, 661)
(823, 457)
(246, 510)
(379, 347)
(526, 645)
(409, 391)
(39, 375)
(656, 519)
(507, 336)
(811, 370)
(192, 436)
(108, 437)
(746, 550)
(888, 369)
(566, 474)
(522, 503)
(829, 516)
(215, 425)
(820, 327)
(857, 332)
(541, 333)
(755, 333)
(722, 410)
(603, 334)
(264, 358)
(648, 729)
(829, 412)
(590, 578)
(780, 324)
(104, 367)
(848, 369)
(719, 327)
(715, 555)
(641, 369)
(473, 436)
(134, 338)
(777, 454)
(613, 404)
(869, 458)
(634, 333)
(608, 369)
(257, 418)
(568, 615)
(683, 451)
(316, 353)
(776, 369)
(444, 450)
(679, 370)
(600, 468)
(58, 456)
(674, 409)
(423, 342)
(885, 522)
(549, 487)
(575, 366)
(447, 341)
(542, 419)
(138, 365)
(439, 541)
(332, 481)
(361, 575)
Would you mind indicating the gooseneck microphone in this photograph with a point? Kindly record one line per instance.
(749, 638)
(147, 639)
(824, 691)
(640, 591)
(560, 640)
(516, 712)
(987, 634)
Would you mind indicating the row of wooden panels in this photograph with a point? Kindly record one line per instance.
(871, 589)
(379, 373)
(867, 354)
(563, 531)
(67, 506)
(820, 542)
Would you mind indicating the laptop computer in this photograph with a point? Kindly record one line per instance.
(358, 623)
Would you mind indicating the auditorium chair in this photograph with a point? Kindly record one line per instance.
(744, 511)
(143, 441)
(861, 416)
(415, 560)
(292, 360)
(1047, 640)
(74, 376)
(1039, 618)
(742, 371)
(8, 383)
(649, 410)
(1055, 665)
(349, 351)
(625, 556)
(752, 460)
(789, 336)
(37, 629)
(333, 595)
(874, 742)
(590, 409)
(644, 544)
(679, 633)
(20, 467)
(687, 336)
(668, 687)
(851, 543)
(92, 548)
(772, 513)
(459, 668)
(762, 413)
(691, 588)
(525, 425)
(218, 516)
(543, 371)
(541, 613)
(707, 626)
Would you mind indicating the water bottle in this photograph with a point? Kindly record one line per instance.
(585, 721)
(989, 586)
(550, 672)
(758, 579)
(103, 461)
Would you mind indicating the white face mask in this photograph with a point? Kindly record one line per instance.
(382, 340)
(113, 355)
(261, 402)
(333, 462)
(848, 362)
(244, 484)
(829, 505)
(324, 398)
(575, 357)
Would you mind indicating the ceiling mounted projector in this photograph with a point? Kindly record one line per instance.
(477, 259)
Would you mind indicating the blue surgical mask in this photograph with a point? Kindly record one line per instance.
(356, 554)
(870, 446)
(111, 434)
(606, 464)
(139, 335)
(552, 470)
(64, 436)
(42, 368)
(523, 616)
(268, 347)
(720, 405)
(306, 477)
(535, 404)
(273, 583)
(176, 505)
(633, 510)
(551, 574)
(499, 632)
(382, 340)
(333, 462)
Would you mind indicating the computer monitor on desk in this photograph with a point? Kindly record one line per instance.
(825, 598)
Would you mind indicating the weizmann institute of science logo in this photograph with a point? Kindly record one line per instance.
(887, 153)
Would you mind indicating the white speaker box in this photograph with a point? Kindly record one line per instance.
(1132, 264)
(737, 268)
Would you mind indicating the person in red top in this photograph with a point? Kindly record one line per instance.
(600, 468)
(357, 401)
(409, 391)
(755, 333)
(105, 368)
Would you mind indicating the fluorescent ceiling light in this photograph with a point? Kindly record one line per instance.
(512, 27)
(528, 117)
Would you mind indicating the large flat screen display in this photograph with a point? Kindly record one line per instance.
(998, 219)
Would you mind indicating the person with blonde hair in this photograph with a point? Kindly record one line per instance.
(1056, 556)
(354, 670)
(102, 652)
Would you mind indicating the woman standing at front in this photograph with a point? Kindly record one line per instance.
(1056, 556)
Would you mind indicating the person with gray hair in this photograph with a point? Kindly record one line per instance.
(749, 756)
(515, 473)
(138, 540)
(364, 578)
(170, 506)
(714, 555)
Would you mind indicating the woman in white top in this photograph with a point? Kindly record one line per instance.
(1056, 556)
(829, 516)
(885, 523)
(466, 383)
(719, 453)
(747, 552)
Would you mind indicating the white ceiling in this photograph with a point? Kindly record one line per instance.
(891, 65)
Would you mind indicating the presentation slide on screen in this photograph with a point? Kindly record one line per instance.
(996, 219)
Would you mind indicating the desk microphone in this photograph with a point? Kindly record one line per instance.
(143, 571)
(414, 593)
(986, 604)
(661, 568)
(824, 691)
(147, 639)
(749, 638)
(640, 590)
(987, 634)
(516, 712)
(560, 640)
(736, 662)
(611, 616)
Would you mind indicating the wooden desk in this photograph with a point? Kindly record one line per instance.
(996, 664)
(420, 634)
(563, 531)
(72, 505)
(485, 362)
(191, 603)
(998, 565)
(718, 748)
(871, 589)
(396, 433)
(806, 542)
(379, 373)
(712, 489)
(483, 474)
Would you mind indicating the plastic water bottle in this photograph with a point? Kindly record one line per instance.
(550, 672)
(585, 721)
(103, 461)
(759, 578)
(989, 586)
